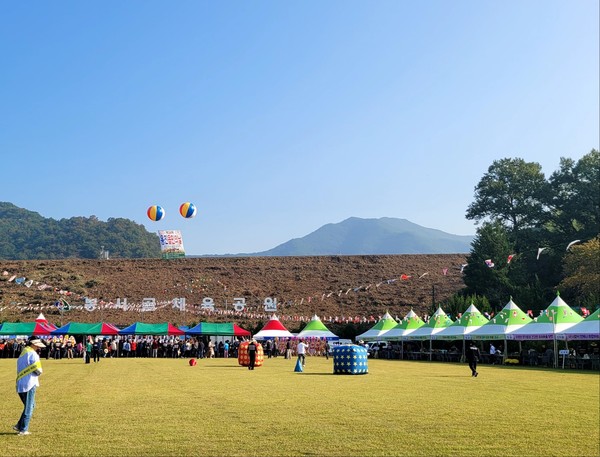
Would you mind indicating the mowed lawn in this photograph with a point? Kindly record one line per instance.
(164, 407)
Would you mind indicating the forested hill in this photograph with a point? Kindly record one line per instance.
(27, 235)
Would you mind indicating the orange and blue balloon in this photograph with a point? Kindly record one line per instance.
(156, 213)
(187, 210)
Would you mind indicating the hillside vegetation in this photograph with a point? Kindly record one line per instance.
(298, 283)
(27, 235)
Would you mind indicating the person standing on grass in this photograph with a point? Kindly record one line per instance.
(493, 354)
(288, 349)
(29, 369)
(301, 351)
(252, 353)
(88, 350)
(226, 349)
(473, 357)
(96, 348)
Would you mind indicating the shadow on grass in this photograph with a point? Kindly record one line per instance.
(316, 374)
(451, 376)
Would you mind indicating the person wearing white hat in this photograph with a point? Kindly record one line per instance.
(29, 369)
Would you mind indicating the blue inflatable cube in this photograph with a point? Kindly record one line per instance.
(350, 359)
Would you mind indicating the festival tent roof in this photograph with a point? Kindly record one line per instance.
(588, 329)
(217, 329)
(141, 328)
(437, 322)
(409, 324)
(81, 328)
(41, 319)
(316, 329)
(470, 321)
(273, 329)
(556, 318)
(384, 324)
(26, 328)
(502, 324)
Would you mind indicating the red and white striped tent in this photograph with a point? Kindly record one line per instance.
(273, 329)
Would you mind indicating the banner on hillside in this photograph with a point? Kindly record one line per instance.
(171, 244)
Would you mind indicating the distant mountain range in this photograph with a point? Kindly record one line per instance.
(25, 235)
(386, 235)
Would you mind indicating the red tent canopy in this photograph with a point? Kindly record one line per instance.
(239, 331)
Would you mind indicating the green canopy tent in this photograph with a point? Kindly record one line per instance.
(588, 329)
(83, 328)
(406, 326)
(555, 319)
(387, 322)
(508, 320)
(141, 328)
(217, 329)
(26, 328)
(317, 329)
(436, 324)
(470, 320)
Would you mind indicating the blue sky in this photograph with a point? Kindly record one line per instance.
(276, 118)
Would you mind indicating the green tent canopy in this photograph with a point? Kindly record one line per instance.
(141, 328)
(26, 328)
(217, 329)
(556, 318)
(316, 329)
(588, 329)
(384, 324)
(436, 324)
(509, 319)
(471, 320)
(409, 324)
(82, 328)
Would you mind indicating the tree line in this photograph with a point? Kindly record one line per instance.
(26, 235)
(532, 219)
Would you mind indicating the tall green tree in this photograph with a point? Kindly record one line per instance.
(582, 273)
(491, 244)
(511, 193)
(574, 198)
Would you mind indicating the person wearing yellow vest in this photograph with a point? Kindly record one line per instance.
(29, 369)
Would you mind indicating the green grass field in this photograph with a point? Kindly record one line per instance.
(158, 407)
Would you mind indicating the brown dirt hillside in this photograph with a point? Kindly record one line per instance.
(303, 286)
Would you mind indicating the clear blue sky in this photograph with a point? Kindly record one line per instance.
(278, 117)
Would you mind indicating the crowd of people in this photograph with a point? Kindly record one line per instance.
(125, 346)
(98, 347)
(122, 346)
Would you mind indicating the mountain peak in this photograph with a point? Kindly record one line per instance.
(385, 235)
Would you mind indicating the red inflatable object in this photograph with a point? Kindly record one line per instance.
(244, 358)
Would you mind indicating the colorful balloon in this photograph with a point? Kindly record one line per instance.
(187, 210)
(156, 213)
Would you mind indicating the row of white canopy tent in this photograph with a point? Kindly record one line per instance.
(557, 322)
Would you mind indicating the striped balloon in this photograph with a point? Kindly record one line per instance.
(187, 210)
(156, 213)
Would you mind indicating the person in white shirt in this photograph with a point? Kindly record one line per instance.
(29, 369)
(493, 354)
(301, 351)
